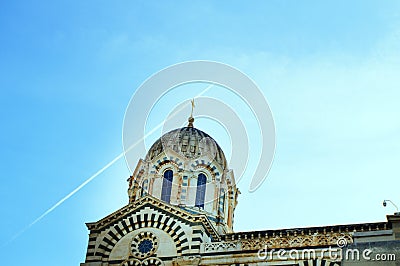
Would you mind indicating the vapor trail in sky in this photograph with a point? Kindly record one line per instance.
(87, 181)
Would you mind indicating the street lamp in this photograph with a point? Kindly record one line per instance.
(385, 204)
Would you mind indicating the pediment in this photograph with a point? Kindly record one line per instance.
(149, 202)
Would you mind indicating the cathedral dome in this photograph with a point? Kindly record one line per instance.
(191, 143)
(187, 168)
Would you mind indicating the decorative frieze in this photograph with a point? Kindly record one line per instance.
(278, 242)
(221, 246)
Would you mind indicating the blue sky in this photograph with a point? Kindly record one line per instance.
(329, 70)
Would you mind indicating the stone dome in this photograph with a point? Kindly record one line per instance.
(190, 143)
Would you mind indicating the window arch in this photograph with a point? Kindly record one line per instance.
(145, 186)
(167, 186)
(201, 190)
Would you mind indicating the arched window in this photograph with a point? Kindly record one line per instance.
(222, 201)
(201, 190)
(145, 186)
(167, 186)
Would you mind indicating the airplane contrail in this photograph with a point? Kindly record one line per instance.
(52, 208)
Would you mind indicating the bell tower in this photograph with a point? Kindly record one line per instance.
(187, 168)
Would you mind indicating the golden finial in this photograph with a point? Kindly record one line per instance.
(191, 119)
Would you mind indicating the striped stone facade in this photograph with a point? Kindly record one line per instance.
(187, 239)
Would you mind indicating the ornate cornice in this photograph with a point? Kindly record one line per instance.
(309, 230)
(293, 238)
